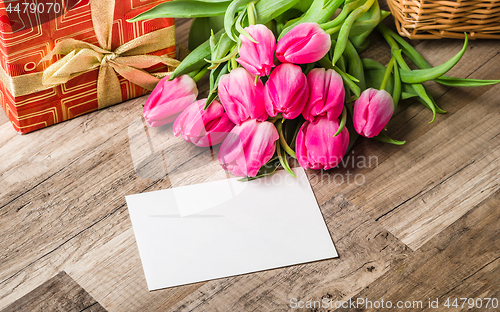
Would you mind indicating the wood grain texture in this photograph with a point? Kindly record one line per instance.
(471, 251)
(420, 178)
(60, 293)
(423, 207)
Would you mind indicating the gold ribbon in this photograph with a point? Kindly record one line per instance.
(129, 60)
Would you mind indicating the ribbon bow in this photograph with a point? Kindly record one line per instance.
(128, 60)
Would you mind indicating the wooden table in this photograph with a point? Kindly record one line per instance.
(424, 224)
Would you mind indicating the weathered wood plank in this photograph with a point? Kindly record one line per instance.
(463, 261)
(425, 178)
(366, 251)
(3, 118)
(60, 293)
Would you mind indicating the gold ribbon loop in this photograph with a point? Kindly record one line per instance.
(129, 60)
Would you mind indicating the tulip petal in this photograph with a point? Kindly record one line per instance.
(287, 91)
(316, 146)
(241, 98)
(169, 99)
(257, 58)
(372, 112)
(203, 127)
(248, 147)
(305, 43)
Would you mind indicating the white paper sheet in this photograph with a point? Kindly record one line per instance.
(224, 228)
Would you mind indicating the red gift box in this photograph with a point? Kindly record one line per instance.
(27, 37)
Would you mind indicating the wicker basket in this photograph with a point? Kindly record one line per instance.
(434, 19)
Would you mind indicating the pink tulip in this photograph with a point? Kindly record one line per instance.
(257, 58)
(241, 98)
(305, 43)
(316, 146)
(248, 147)
(326, 94)
(372, 112)
(203, 127)
(286, 91)
(169, 99)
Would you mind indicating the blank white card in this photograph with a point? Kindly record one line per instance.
(225, 228)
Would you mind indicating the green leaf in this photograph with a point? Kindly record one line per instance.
(229, 17)
(370, 64)
(184, 9)
(382, 137)
(396, 94)
(282, 141)
(240, 28)
(419, 60)
(283, 160)
(464, 82)
(201, 29)
(408, 92)
(303, 5)
(215, 76)
(374, 75)
(199, 32)
(419, 88)
(320, 11)
(367, 22)
(349, 6)
(346, 28)
(343, 121)
(268, 10)
(422, 75)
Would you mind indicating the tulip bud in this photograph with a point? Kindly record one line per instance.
(316, 146)
(326, 94)
(169, 99)
(248, 147)
(203, 127)
(241, 98)
(305, 43)
(286, 91)
(257, 58)
(372, 112)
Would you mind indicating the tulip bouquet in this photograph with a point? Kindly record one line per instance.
(287, 82)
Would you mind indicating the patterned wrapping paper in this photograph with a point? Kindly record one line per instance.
(24, 43)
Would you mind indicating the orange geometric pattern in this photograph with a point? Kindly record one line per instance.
(23, 43)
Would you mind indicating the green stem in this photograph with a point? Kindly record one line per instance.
(396, 94)
(234, 64)
(283, 143)
(200, 74)
(382, 137)
(343, 121)
(346, 28)
(337, 21)
(319, 12)
(387, 74)
(251, 13)
(283, 161)
(333, 30)
(325, 62)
